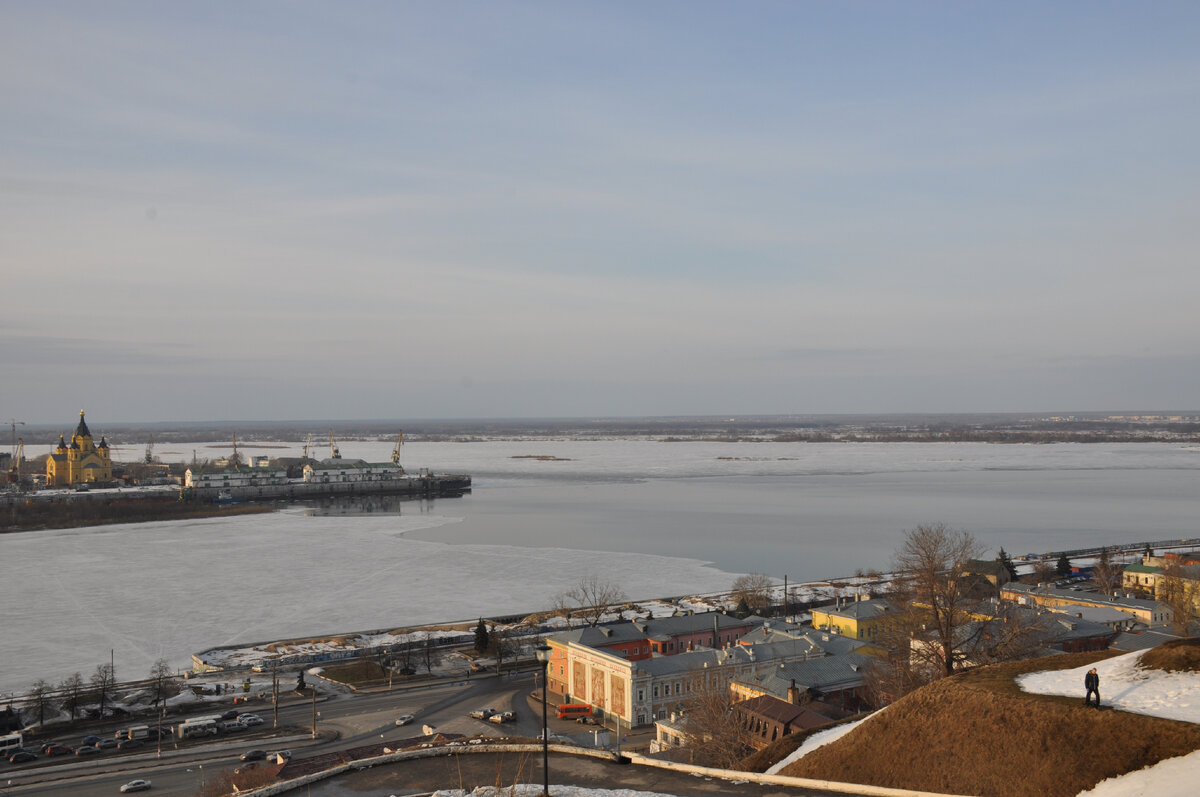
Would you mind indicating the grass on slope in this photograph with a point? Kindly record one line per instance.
(977, 733)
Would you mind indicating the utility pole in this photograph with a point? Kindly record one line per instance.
(275, 692)
(313, 687)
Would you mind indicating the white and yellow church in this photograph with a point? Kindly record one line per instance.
(80, 462)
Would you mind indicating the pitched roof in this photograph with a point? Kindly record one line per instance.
(860, 610)
(610, 634)
(772, 708)
(822, 674)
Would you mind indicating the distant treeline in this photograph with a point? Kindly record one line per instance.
(964, 427)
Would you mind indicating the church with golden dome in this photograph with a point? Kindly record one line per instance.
(81, 461)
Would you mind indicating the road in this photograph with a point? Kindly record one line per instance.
(344, 719)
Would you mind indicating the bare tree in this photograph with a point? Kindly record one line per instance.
(887, 679)
(501, 645)
(930, 564)
(755, 590)
(590, 599)
(71, 687)
(102, 683)
(428, 650)
(1043, 572)
(38, 695)
(713, 730)
(161, 674)
(1106, 573)
(1179, 589)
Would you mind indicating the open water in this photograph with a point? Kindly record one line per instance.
(654, 518)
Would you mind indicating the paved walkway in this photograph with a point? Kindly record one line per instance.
(496, 769)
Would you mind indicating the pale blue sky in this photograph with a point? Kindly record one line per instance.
(418, 210)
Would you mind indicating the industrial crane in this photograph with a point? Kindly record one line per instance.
(149, 451)
(396, 450)
(333, 449)
(14, 424)
(14, 471)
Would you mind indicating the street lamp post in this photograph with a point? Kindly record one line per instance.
(543, 655)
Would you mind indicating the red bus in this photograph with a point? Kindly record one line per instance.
(573, 710)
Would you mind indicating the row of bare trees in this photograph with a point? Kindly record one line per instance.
(73, 691)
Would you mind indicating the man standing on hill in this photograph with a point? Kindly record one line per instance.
(1091, 682)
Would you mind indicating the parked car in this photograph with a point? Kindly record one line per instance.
(254, 755)
(22, 756)
(404, 719)
(135, 785)
(87, 749)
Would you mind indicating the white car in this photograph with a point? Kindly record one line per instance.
(250, 720)
(405, 719)
(135, 785)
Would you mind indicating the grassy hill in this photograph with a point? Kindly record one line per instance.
(977, 733)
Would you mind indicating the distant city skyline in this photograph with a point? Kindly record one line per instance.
(537, 210)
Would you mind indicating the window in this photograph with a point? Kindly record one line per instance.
(641, 697)
(656, 691)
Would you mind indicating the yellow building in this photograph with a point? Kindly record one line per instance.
(865, 620)
(81, 462)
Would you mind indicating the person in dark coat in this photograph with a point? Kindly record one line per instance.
(1091, 682)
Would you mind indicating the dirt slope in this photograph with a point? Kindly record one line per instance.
(977, 733)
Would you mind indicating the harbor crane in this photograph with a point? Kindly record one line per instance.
(18, 450)
(396, 450)
(14, 473)
(149, 458)
(333, 449)
(14, 424)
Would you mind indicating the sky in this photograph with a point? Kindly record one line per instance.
(282, 210)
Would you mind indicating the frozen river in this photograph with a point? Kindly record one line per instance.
(654, 518)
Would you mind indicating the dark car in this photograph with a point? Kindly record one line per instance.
(89, 740)
(86, 749)
(230, 715)
(129, 744)
(21, 756)
(106, 744)
(57, 749)
(254, 755)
